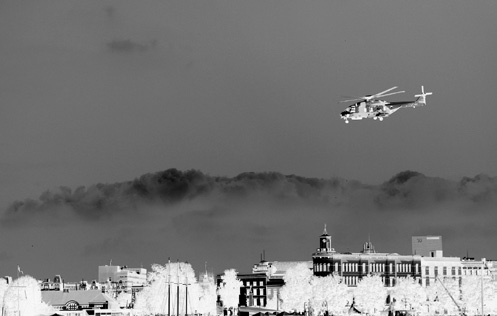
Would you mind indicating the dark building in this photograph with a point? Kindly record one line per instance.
(427, 246)
(254, 289)
(354, 266)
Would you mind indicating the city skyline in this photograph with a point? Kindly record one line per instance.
(97, 94)
(229, 222)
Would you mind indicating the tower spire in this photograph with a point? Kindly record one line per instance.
(325, 242)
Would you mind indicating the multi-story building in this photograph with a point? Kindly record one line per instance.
(426, 264)
(261, 288)
(438, 268)
(274, 271)
(81, 303)
(122, 276)
(354, 266)
(254, 289)
(427, 246)
(56, 284)
(470, 266)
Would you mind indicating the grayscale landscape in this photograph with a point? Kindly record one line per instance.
(210, 132)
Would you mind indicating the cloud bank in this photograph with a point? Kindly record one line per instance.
(229, 220)
(406, 190)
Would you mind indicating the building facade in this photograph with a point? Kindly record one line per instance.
(438, 268)
(352, 267)
(254, 289)
(427, 246)
(123, 277)
(79, 301)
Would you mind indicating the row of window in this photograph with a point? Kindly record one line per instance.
(371, 267)
(474, 271)
(253, 283)
(257, 292)
(354, 280)
(444, 270)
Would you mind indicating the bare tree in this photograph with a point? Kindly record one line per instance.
(370, 295)
(229, 290)
(23, 297)
(409, 294)
(297, 289)
(330, 294)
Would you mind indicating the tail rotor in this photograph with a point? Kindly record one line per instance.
(422, 97)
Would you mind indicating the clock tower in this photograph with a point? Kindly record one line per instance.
(325, 242)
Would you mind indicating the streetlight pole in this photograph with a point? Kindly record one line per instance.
(186, 295)
(482, 267)
(177, 296)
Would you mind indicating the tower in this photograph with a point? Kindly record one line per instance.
(427, 246)
(325, 242)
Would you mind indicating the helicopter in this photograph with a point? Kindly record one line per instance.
(370, 106)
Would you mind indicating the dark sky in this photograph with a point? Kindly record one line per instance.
(105, 91)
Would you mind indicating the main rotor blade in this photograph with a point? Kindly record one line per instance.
(384, 95)
(351, 100)
(380, 93)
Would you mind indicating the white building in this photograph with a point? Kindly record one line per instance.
(439, 267)
(122, 275)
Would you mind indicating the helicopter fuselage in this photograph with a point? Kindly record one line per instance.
(375, 109)
(371, 106)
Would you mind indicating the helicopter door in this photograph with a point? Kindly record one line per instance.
(362, 107)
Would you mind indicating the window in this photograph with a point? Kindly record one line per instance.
(427, 271)
(444, 271)
(436, 272)
(71, 306)
(453, 271)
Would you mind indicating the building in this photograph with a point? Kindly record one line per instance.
(254, 289)
(426, 264)
(56, 284)
(354, 266)
(438, 268)
(275, 272)
(427, 246)
(122, 277)
(79, 301)
(470, 266)
(261, 288)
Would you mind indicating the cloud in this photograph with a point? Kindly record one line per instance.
(228, 220)
(405, 191)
